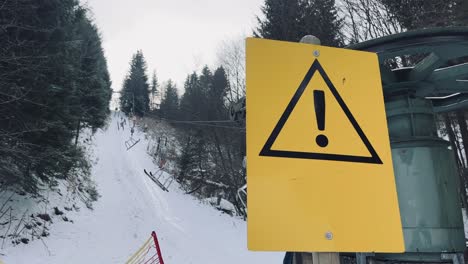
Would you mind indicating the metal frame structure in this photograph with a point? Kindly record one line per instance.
(442, 73)
(424, 72)
(130, 143)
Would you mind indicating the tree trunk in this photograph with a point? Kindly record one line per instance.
(218, 149)
(461, 169)
(78, 127)
(463, 131)
(452, 139)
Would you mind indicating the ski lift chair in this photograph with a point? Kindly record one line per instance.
(131, 143)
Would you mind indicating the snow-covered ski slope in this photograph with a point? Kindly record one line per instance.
(130, 207)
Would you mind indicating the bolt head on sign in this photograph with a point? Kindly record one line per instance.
(318, 151)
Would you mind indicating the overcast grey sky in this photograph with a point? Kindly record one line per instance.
(176, 36)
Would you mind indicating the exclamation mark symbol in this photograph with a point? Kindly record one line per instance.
(319, 103)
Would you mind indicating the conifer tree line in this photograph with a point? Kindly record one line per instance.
(210, 160)
(53, 84)
(135, 95)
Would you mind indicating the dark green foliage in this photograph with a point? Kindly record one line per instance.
(211, 159)
(461, 13)
(135, 93)
(193, 163)
(291, 20)
(283, 20)
(154, 90)
(189, 104)
(170, 102)
(53, 83)
(321, 20)
(417, 14)
(92, 91)
(217, 94)
(204, 95)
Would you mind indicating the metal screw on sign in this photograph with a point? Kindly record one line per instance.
(329, 235)
(310, 39)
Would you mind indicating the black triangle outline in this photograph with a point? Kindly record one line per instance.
(267, 151)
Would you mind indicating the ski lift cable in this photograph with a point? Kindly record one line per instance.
(201, 121)
(198, 122)
(192, 121)
(202, 124)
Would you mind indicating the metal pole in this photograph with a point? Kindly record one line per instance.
(158, 249)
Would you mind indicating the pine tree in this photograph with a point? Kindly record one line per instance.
(170, 102)
(283, 20)
(93, 92)
(201, 98)
(59, 80)
(189, 104)
(417, 14)
(210, 155)
(205, 84)
(193, 163)
(291, 20)
(154, 89)
(217, 94)
(135, 93)
(321, 20)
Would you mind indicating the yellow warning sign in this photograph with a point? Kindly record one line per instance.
(319, 166)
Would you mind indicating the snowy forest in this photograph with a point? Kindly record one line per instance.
(54, 84)
(56, 90)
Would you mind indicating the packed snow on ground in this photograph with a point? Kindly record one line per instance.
(130, 207)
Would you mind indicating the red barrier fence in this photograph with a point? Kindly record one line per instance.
(158, 249)
(149, 252)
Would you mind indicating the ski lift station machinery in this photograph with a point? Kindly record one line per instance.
(425, 167)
